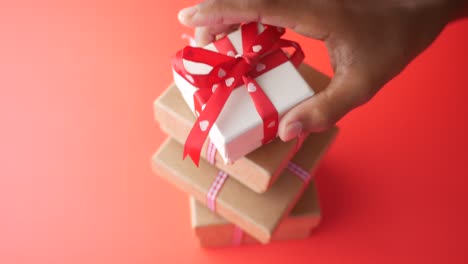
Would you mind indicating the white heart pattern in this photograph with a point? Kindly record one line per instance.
(272, 124)
(229, 81)
(251, 88)
(221, 73)
(231, 53)
(257, 48)
(189, 77)
(204, 125)
(213, 89)
(197, 113)
(203, 107)
(260, 67)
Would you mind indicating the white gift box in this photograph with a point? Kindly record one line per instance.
(239, 128)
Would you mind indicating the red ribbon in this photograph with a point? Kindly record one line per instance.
(261, 53)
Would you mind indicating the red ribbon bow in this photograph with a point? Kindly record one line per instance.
(261, 53)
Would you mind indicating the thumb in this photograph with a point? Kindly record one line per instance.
(344, 93)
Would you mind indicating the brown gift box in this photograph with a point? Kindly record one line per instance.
(257, 170)
(257, 214)
(214, 231)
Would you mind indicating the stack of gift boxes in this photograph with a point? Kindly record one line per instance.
(245, 184)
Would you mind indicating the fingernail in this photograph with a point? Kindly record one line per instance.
(293, 130)
(187, 13)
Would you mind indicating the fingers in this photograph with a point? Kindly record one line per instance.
(304, 17)
(206, 35)
(344, 93)
(226, 12)
(215, 17)
(218, 12)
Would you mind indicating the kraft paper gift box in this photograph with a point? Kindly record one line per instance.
(239, 129)
(257, 170)
(214, 231)
(257, 214)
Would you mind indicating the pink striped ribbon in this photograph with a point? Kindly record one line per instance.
(211, 153)
(237, 236)
(304, 175)
(222, 176)
(214, 190)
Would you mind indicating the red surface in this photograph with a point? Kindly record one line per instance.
(77, 82)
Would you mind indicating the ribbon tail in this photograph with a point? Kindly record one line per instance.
(206, 119)
(191, 149)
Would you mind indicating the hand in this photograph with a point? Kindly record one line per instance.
(369, 42)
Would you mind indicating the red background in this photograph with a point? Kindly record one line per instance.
(77, 82)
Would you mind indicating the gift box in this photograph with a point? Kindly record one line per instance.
(257, 170)
(257, 214)
(214, 231)
(239, 87)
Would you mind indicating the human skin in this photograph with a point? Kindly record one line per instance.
(369, 42)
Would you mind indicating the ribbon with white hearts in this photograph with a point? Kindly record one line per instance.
(261, 53)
